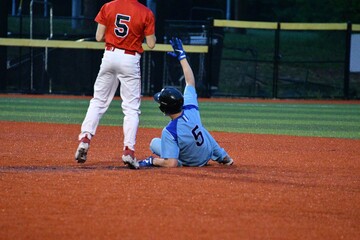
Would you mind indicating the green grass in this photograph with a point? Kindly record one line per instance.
(322, 120)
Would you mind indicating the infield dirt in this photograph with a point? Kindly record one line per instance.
(280, 187)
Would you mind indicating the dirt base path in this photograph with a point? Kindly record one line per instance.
(280, 187)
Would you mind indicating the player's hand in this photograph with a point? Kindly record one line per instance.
(178, 52)
(147, 162)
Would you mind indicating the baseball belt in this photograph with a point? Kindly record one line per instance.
(110, 48)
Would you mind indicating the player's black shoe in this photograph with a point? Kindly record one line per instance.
(81, 152)
(227, 161)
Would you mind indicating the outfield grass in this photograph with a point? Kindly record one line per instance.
(322, 120)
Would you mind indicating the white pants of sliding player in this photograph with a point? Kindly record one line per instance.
(116, 67)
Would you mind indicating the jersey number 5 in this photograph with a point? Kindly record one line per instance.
(122, 28)
(198, 136)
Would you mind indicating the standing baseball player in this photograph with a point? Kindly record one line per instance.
(184, 141)
(123, 25)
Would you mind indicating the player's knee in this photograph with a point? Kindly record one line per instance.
(131, 110)
(155, 146)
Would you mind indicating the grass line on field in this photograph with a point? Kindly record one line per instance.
(211, 118)
(325, 120)
(209, 111)
(234, 116)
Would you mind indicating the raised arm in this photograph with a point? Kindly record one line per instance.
(188, 73)
(181, 56)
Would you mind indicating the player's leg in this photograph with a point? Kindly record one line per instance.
(218, 153)
(104, 90)
(130, 91)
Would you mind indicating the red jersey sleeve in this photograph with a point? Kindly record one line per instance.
(150, 24)
(101, 16)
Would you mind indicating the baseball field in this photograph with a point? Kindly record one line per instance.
(296, 173)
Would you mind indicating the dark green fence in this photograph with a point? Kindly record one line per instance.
(245, 59)
(287, 60)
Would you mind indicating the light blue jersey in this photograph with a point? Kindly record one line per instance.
(185, 138)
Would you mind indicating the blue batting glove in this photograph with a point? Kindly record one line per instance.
(178, 52)
(147, 162)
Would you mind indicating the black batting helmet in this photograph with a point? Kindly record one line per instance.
(170, 99)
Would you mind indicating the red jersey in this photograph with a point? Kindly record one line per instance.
(127, 23)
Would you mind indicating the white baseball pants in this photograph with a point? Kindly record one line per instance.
(117, 66)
